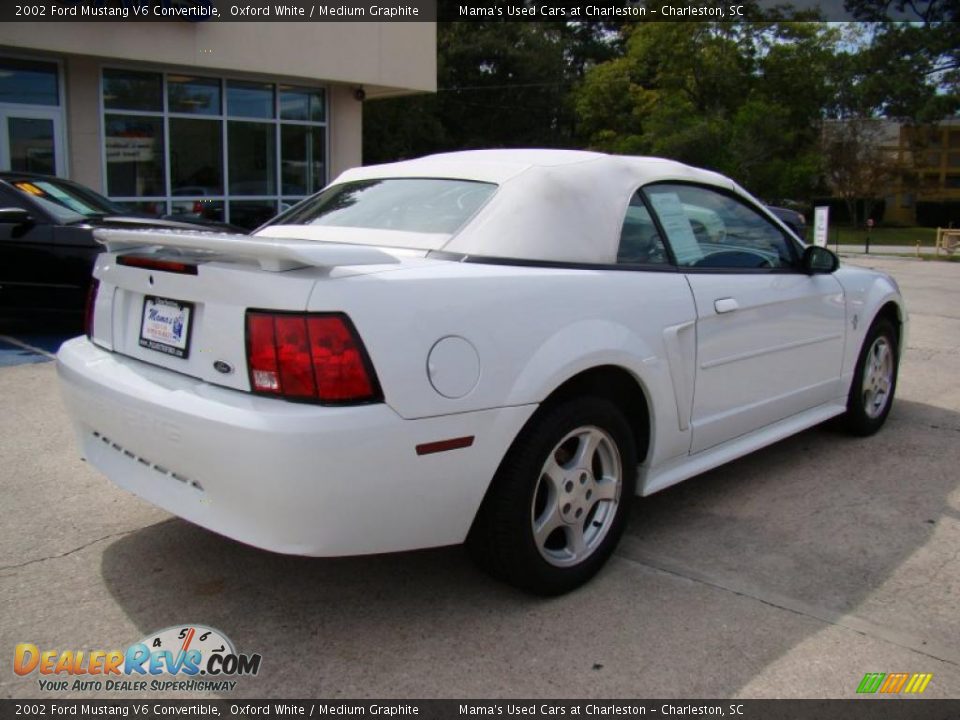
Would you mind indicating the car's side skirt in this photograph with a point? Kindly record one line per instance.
(676, 470)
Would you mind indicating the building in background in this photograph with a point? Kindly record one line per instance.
(927, 188)
(231, 121)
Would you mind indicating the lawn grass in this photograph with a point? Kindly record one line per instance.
(884, 236)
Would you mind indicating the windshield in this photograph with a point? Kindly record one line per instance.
(67, 202)
(406, 204)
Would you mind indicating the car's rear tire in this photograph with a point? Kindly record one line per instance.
(559, 502)
(875, 380)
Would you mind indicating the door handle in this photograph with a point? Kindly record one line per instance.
(725, 305)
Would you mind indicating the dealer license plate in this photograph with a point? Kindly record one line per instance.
(166, 326)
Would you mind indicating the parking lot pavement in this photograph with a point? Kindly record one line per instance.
(789, 573)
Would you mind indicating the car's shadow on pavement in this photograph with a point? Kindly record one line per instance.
(23, 342)
(836, 523)
(822, 517)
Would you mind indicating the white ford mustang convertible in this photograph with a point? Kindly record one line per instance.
(497, 347)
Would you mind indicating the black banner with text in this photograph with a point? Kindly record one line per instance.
(861, 709)
(199, 11)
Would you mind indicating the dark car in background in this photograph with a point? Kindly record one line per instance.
(792, 219)
(47, 248)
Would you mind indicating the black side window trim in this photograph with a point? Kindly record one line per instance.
(788, 240)
(671, 258)
(550, 264)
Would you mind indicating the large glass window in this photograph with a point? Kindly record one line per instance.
(31, 117)
(230, 150)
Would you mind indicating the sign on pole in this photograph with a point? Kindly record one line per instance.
(821, 221)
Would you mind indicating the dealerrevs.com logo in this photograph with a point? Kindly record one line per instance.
(182, 658)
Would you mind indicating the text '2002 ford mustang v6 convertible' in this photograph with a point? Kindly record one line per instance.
(500, 347)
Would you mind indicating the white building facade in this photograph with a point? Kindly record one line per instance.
(228, 121)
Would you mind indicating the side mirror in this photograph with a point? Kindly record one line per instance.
(15, 216)
(818, 260)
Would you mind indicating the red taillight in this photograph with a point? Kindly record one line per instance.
(90, 306)
(338, 360)
(262, 354)
(293, 356)
(147, 263)
(309, 357)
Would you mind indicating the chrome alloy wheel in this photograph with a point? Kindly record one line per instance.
(877, 377)
(576, 498)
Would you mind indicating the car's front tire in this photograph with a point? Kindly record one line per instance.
(560, 499)
(875, 380)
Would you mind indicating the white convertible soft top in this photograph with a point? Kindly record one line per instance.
(554, 205)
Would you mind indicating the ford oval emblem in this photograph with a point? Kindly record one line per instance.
(222, 367)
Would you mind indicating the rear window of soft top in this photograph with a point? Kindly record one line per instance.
(427, 205)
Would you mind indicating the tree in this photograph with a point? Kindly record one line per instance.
(909, 70)
(741, 98)
(500, 84)
(746, 99)
(905, 72)
(859, 164)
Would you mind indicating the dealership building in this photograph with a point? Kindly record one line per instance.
(229, 121)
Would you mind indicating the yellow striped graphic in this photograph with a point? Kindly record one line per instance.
(918, 683)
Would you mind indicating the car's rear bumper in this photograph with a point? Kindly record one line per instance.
(287, 477)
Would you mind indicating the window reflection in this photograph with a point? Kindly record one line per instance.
(197, 96)
(302, 152)
(28, 82)
(31, 145)
(301, 103)
(252, 158)
(406, 204)
(132, 90)
(212, 147)
(250, 214)
(250, 99)
(196, 162)
(134, 155)
(194, 210)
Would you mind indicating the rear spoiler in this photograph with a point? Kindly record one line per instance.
(272, 254)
